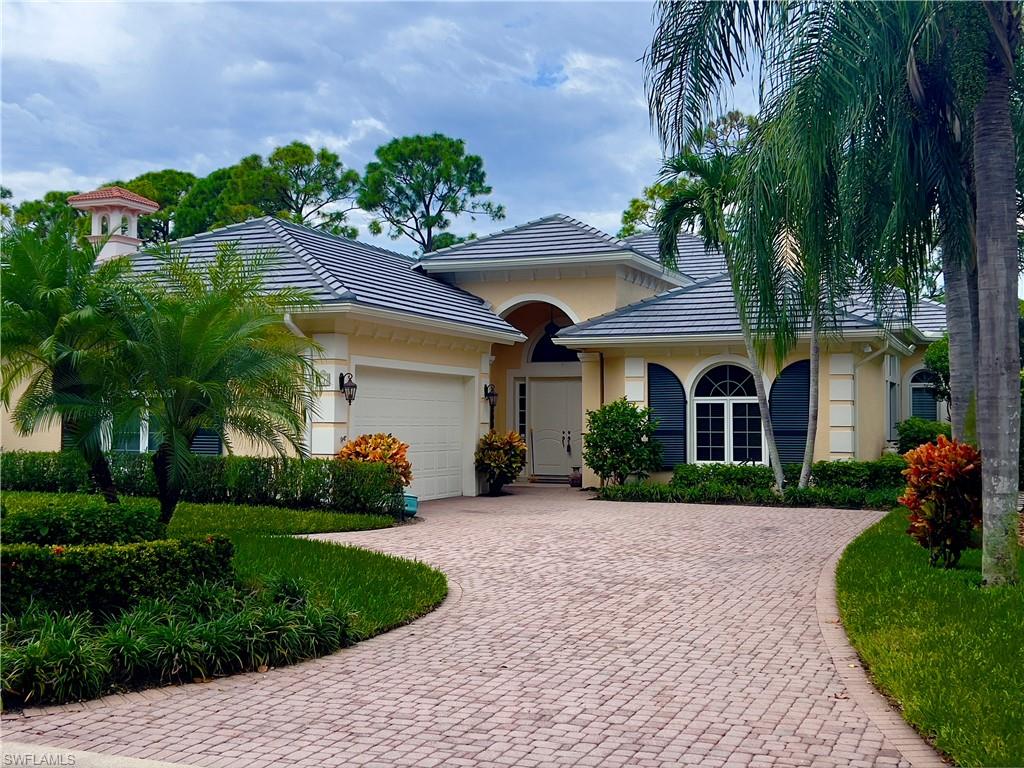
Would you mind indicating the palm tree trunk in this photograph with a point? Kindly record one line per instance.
(998, 412)
(99, 470)
(167, 491)
(762, 404)
(812, 404)
(961, 320)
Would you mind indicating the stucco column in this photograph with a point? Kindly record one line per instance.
(590, 365)
(330, 426)
(841, 388)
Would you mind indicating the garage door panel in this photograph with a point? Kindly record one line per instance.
(427, 411)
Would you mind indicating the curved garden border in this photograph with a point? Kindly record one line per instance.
(911, 746)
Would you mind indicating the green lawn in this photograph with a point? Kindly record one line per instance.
(383, 591)
(950, 652)
(230, 519)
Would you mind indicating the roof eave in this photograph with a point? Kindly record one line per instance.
(615, 258)
(451, 327)
(711, 338)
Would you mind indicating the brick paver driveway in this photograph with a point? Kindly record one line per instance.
(578, 633)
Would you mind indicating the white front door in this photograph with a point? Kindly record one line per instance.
(425, 410)
(556, 419)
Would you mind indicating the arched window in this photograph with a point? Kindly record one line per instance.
(124, 225)
(104, 224)
(546, 351)
(922, 395)
(727, 418)
(667, 401)
(788, 407)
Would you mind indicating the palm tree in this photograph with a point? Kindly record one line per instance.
(704, 184)
(57, 337)
(207, 349)
(836, 64)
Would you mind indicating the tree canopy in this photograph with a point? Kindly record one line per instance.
(419, 184)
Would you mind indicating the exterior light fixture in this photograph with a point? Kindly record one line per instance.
(348, 387)
(491, 396)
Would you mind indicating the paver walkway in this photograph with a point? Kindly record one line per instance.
(578, 633)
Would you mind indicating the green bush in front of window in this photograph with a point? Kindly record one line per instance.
(916, 431)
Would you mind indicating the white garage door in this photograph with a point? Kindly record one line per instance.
(427, 411)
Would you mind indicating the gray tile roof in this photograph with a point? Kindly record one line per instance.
(551, 236)
(929, 316)
(706, 308)
(694, 260)
(336, 269)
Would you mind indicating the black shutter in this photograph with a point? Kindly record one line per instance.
(667, 401)
(206, 443)
(788, 407)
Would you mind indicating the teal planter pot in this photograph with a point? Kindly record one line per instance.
(412, 504)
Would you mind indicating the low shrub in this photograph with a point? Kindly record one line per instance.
(620, 443)
(44, 518)
(754, 476)
(344, 486)
(106, 577)
(500, 457)
(717, 492)
(916, 431)
(886, 472)
(210, 630)
(380, 449)
(944, 498)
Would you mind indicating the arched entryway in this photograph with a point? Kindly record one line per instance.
(544, 391)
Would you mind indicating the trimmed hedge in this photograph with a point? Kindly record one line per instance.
(886, 472)
(715, 492)
(354, 487)
(753, 476)
(38, 518)
(883, 473)
(103, 578)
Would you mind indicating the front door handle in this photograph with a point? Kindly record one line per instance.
(568, 443)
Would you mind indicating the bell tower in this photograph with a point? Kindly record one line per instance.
(115, 215)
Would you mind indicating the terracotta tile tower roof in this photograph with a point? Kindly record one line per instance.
(113, 193)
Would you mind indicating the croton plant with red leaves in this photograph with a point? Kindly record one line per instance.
(944, 497)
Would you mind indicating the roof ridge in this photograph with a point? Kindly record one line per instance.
(319, 271)
(589, 229)
(453, 246)
(352, 241)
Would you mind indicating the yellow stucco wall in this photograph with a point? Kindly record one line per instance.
(840, 385)
(41, 440)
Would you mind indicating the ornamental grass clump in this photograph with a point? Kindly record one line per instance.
(944, 497)
(379, 447)
(500, 456)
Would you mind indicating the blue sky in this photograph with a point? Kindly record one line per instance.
(550, 95)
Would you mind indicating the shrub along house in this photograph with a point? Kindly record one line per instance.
(559, 318)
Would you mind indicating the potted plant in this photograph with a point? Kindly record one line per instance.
(500, 457)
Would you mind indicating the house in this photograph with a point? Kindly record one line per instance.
(559, 317)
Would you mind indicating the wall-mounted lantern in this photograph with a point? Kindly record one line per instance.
(491, 396)
(348, 387)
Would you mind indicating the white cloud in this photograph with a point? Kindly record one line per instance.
(247, 71)
(30, 185)
(90, 35)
